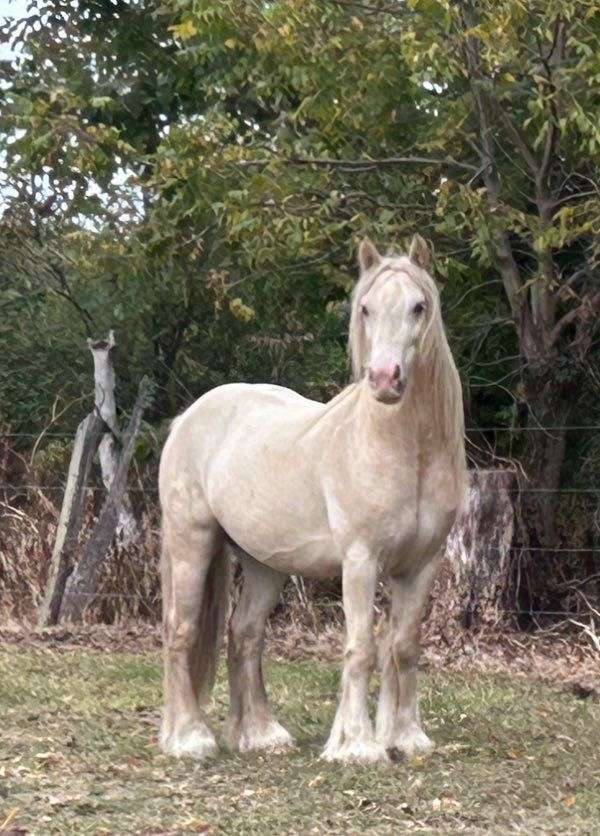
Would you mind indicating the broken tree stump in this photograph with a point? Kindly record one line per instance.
(479, 545)
(127, 530)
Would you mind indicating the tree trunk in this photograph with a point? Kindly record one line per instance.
(479, 547)
(548, 407)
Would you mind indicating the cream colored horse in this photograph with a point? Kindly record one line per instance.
(367, 484)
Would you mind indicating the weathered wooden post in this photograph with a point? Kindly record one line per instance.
(83, 581)
(68, 588)
(69, 523)
(104, 383)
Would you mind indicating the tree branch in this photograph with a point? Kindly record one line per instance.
(509, 269)
(558, 49)
(370, 9)
(562, 323)
(586, 311)
(518, 140)
(359, 165)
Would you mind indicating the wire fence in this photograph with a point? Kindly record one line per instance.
(557, 428)
(536, 616)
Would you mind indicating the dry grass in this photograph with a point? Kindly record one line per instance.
(130, 586)
(78, 755)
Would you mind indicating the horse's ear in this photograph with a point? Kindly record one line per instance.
(419, 252)
(367, 255)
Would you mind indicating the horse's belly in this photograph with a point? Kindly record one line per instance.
(312, 554)
(312, 560)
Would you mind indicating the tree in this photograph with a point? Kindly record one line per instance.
(212, 163)
(514, 87)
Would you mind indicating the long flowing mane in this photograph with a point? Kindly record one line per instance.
(435, 357)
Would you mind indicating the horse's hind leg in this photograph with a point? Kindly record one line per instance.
(251, 724)
(189, 634)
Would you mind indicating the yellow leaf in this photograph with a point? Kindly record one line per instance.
(231, 43)
(568, 800)
(184, 31)
(242, 312)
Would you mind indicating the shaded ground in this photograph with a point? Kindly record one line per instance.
(78, 755)
(559, 656)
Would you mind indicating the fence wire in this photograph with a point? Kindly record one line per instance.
(557, 428)
(152, 491)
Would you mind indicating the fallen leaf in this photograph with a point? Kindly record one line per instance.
(197, 826)
(11, 816)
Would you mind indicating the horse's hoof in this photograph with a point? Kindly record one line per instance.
(356, 751)
(411, 742)
(273, 738)
(195, 742)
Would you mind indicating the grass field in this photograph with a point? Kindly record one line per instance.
(78, 755)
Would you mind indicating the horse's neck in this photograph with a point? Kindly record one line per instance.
(388, 425)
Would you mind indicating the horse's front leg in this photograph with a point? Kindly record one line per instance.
(398, 722)
(352, 738)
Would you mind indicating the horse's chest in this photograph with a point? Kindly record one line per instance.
(402, 519)
(414, 532)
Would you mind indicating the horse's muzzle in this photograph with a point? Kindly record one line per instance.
(386, 383)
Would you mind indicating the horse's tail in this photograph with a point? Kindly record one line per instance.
(213, 614)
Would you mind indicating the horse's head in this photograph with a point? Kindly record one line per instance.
(393, 306)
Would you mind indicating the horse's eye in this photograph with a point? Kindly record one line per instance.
(418, 309)
(364, 310)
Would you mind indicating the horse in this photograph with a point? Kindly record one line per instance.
(365, 486)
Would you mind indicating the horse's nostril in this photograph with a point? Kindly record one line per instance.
(396, 374)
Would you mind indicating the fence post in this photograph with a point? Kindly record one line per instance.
(83, 581)
(61, 563)
(104, 383)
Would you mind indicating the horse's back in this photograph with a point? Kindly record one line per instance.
(241, 452)
(237, 420)
(245, 403)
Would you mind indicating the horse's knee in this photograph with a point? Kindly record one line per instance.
(178, 636)
(244, 640)
(404, 652)
(360, 657)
